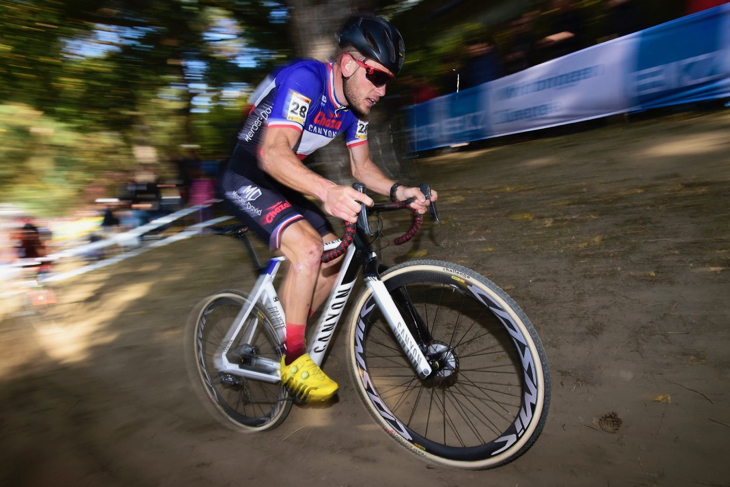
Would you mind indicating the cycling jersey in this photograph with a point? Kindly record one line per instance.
(300, 96)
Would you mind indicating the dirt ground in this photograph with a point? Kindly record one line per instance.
(615, 242)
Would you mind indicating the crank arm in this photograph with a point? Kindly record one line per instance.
(264, 369)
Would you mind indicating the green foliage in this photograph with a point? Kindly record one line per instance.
(83, 81)
(47, 164)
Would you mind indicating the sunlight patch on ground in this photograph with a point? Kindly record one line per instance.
(690, 144)
(459, 157)
(539, 162)
(71, 342)
(150, 267)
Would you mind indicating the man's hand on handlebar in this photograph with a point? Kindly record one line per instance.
(345, 202)
(420, 203)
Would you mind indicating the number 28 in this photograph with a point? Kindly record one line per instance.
(297, 110)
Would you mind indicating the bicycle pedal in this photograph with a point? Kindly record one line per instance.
(298, 400)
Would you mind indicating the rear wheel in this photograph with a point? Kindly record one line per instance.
(242, 403)
(486, 401)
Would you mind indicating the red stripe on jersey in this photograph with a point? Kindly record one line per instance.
(283, 124)
(331, 87)
(355, 143)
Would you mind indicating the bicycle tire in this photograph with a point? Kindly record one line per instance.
(481, 410)
(240, 403)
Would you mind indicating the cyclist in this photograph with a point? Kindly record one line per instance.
(296, 110)
(29, 243)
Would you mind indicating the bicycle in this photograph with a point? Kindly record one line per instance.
(443, 359)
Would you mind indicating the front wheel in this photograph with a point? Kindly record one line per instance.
(243, 404)
(486, 401)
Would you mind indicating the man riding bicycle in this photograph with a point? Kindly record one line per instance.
(298, 109)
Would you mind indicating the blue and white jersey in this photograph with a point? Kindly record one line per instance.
(300, 96)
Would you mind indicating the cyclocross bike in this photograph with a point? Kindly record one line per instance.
(444, 361)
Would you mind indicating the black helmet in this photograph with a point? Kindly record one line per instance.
(375, 39)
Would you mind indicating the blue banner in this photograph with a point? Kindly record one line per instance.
(683, 61)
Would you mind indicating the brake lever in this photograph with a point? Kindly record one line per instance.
(362, 217)
(426, 190)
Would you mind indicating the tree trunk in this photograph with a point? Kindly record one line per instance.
(316, 22)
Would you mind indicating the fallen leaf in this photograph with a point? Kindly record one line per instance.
(523, 216)
(643, 274)
(631, 191)
(665, 398)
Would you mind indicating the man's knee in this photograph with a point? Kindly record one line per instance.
(309, 250)
(303, 247)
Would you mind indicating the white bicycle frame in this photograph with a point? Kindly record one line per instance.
(264, 293)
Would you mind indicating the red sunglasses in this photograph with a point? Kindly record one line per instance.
(376, 76)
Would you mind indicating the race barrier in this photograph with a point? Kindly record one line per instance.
(131, 241)
(130, 238)
(683, 61)
(189, 232)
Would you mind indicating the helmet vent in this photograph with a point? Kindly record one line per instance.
(391, 47)
(371, 42)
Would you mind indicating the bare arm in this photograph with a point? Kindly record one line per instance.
(279, 161)
(368, 173)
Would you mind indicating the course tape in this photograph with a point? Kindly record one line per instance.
(185, 234)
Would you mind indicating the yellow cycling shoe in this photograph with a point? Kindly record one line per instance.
(306, 381)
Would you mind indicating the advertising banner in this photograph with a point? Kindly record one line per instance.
(683, 61)
(580, 86)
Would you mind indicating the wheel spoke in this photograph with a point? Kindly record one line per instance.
(476, 391)
(249, 403)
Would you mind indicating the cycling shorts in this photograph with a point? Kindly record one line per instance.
(268, 207)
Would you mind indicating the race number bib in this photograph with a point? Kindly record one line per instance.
(297, 107)
(362, 130)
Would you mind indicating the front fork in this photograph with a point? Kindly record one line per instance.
(410, 344)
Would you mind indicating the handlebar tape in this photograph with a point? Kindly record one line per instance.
(415, 227)
(340, 249)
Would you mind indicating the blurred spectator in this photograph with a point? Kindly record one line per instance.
(521, 52)
(623, 17)
(483, 63)
(185, 167)
(28, 242)
(97, 253)
(566, 32)
(202, 192)
(110, 222)
(423, 90)
(145, 197)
